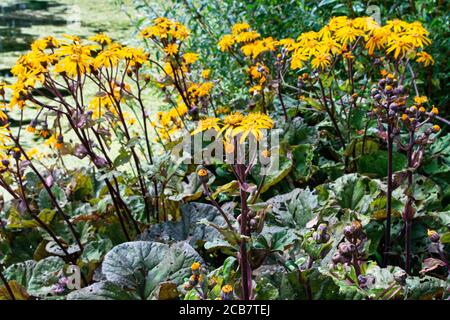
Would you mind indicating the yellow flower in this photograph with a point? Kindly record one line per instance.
(227, 289)
(253, 124)
(171, 49)
(246, 37)
(377, 39)
(201, 90)
(108, 57)
(4, 135)
(206, 73)
(425, 58)
(265, 153)
(321, 61)
(240, 27)
(297, 60)
(196, 265)
(190, 58)
(348, 33)
(436, 128)
(419, 100)
(434, 110)
(164, 28)
(76, 59)
(417, 34)
(226, 42)
(3, 115)
(400, 45)
(396, 25)
(230, 122)
(207, 124)
(255, 90)
(101, 38)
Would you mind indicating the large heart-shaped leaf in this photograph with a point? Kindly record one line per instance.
(294, 208)
(135, 270)
(39, 278)
(354, 192)
(188, 228)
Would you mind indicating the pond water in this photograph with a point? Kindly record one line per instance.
(22, 21)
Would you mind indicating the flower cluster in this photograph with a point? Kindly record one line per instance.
(351, 250)
(341, 37)
(236, 124)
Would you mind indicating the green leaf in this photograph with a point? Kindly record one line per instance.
(189, 227)
(94, 251)
(122, 158)
(425, 288)
(139, 268)
(16, 222)
(103, 291)
(45, 202)
(295, 208)
(274, 172)
(375, 163)
(45, 275)
(20, 272)
(354, 192)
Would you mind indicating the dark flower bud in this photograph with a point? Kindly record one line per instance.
(16, 154)
(322, 228)
(194, 113)
(337, 258)
(100, 162)
(382, 83)
(5, 162)
(325, 238)
(393, 106)
(343, 248)
(377, 97)
(348, 232)
(374, 91)
(433, 236)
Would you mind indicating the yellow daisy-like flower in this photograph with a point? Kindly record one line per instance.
(253, 124)
(4, 135)
(425, 58)
(226, 42)
(321, 61)
(230, 122)
(190, 58)
(101, 38)
(207, 124)
(76, 59)
(400, 45)
(171, 49)
(108, 57)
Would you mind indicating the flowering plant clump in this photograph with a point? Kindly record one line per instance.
(320, 173)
